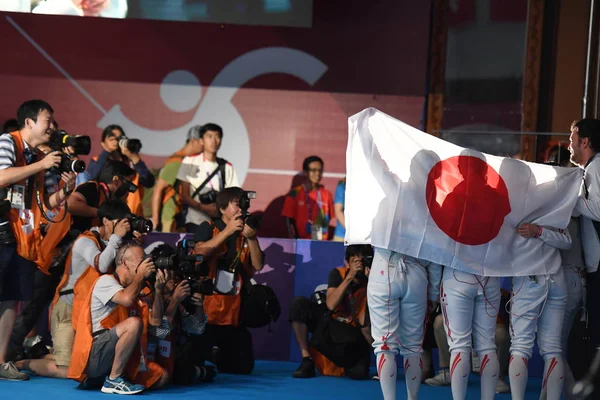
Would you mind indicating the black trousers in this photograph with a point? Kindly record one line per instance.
(308, 312)
(235, 356)
(44, 288)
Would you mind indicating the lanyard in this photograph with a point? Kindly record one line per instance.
(310, 205)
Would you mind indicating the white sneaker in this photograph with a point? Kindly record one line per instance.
(502, 386)
(441, 379)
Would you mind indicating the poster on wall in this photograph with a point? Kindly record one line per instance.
(280, 93)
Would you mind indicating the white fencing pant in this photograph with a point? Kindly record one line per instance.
(538, 302)
(470, 308)
(397, 298)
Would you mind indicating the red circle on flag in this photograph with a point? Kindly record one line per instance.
(467, 199)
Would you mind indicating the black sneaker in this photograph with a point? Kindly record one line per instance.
(306, 369)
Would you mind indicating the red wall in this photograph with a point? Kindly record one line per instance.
(364, 53)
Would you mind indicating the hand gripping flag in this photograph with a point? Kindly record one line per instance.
(415, 194)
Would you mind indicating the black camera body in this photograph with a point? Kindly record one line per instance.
(186, 266)
(209, 197)
(80, 144)
(133, 145)
(68, 164)
(252, 220)
(140, 224)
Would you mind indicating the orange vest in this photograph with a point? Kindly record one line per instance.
(28, 243)
(57, 232)
(343, 311)
(67, 274)
(153, 370)
(225, 309)
(82, 344)
(134, 200)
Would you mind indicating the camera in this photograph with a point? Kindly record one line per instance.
(140, 224)
(133, 145)
(7, 236)
(80, 144)
(186, 266)
(68, 164)
(208, 198)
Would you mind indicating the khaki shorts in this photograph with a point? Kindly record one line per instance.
(63, 334)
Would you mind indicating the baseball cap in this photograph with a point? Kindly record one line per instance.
(194, 132)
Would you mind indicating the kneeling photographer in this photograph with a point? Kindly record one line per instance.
(184, 319)
(94, 249)
(339, 323)
(232, 253)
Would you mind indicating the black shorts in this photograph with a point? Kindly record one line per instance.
(304, 310)
(102, 354)
(16, 275)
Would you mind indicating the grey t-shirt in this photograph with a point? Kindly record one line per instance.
(101, 306)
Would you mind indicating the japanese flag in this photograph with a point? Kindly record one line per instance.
(415, 194)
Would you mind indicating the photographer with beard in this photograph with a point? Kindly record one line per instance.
(232, 252)
(116, 149)
(346, 303)
(22, 176)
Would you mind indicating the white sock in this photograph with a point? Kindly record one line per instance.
(554, 377)
(387, 371)
(489, 375)
(518, 372)
(413, 369)
(460, 367)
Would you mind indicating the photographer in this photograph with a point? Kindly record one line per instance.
(95, 249)
(232, 252)
(346, 303)
(108, 341)
(22, 174)
(203, 176)
(117, 147)
(166, 195)
(183, 322)
(114, 181)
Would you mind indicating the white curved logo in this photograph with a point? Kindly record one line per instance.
(181, 92)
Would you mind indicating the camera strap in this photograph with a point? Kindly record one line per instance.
(208, 178)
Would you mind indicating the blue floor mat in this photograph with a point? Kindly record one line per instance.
(270, 380)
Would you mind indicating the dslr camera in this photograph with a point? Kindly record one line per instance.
(7, 236)
(209, 197)
(253, 221)
(140, 224)
(133, 145)
(59, 140)
(189, 267)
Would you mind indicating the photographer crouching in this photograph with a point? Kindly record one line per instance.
(339, 323)
(184, 319)
(22, 175)
(232, 253)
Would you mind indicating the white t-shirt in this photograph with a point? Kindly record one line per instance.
(195, 170)
(101, 306)
(84, 254)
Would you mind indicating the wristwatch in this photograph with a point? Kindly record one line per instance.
(66, 190)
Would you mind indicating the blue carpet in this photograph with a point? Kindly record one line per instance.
(271, 380)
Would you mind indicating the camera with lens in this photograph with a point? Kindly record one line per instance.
(186, 266)
(252, 220)
(60, 140)
(133, 145)
(209, 197)
(7, 236)
(68, 164)
(320, 297)
(140, 224)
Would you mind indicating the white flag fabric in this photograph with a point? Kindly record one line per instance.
(418, 195)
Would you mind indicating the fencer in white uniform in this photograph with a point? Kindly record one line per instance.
(398, 292)
(470, 306)
(538, 304)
